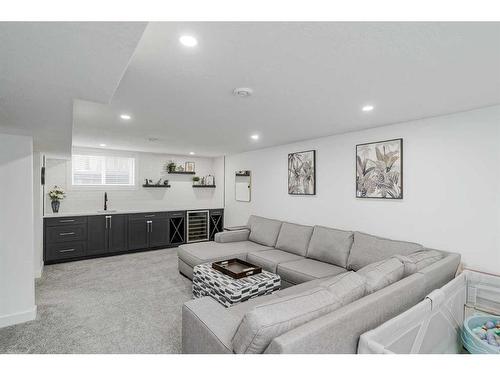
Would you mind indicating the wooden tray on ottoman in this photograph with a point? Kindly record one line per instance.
(236, 268)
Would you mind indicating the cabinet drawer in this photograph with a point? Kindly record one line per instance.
(216, 212)
(65, 250)
(149, 215)
(177, 214)
(73, 220)
(66, 233)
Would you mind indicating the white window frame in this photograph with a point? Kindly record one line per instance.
(110, 153)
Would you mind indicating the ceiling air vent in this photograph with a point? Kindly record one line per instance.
(242, 92)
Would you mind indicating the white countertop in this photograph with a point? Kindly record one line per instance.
(124, 212)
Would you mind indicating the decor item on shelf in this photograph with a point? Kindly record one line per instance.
(302, 173)
(196, 180)
(171, 166)
(209, 180)
(158, 183)
(165, 182)
(379, 169)
(189, 166)
(56, 195)
(180, 168)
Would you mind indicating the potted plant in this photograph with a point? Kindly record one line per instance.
(56, 195)
(171, 166)
(196, 180)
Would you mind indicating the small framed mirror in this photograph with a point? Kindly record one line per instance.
(242, 186)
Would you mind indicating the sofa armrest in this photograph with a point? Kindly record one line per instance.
(207, 327)
(339, 331)
(232, 236)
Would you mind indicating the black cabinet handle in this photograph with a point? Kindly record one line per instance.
(67, 234)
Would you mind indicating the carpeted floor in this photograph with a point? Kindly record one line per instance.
(121, 304)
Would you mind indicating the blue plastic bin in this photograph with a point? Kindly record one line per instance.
(473, 343)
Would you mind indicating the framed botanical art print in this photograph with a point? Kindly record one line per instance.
(379, 169)
(302, 173)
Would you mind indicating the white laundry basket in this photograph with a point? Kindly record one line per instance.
(434, 325)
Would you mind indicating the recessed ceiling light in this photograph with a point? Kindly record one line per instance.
(243, 92)
(254, 137)
(102, 144)
(191, 153)
(367, 108)
(125, 116)
(188, 40)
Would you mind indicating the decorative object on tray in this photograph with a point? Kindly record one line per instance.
(302, 173)
(228, 291)
(171, 166)
(56, 195)
(196, 180)
(236, 268)
(189, 166)
(379, 169)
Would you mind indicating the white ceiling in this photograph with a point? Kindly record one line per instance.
(309, 80)
(44, 66)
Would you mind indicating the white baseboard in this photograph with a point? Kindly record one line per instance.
(21, 317)
(38, 272)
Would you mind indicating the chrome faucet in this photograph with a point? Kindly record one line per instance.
(105, 201)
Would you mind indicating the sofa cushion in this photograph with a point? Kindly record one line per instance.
(264, 231)
(300, 271)
(330, 245)
(274, 318)
(381, 274)
(346, 287)
(203, 252)
(367, 249)
(269, 259)
(294, 238)
(425, 258)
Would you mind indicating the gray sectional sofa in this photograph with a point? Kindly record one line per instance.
(336, 285)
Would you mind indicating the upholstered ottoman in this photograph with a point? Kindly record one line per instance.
(228, 291)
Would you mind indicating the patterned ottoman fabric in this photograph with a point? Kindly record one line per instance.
(228, 291)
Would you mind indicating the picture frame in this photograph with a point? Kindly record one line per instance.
(189, 166)
(379, 170)
(302, 173)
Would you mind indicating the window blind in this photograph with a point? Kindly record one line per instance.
(92, 170)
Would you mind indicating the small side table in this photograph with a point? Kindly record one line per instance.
(228, 291)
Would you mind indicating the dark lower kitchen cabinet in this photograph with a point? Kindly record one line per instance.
(148, 230)
(106, 233)
(82, 237)
(138, 234)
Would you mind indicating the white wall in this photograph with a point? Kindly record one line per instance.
(451, 186)
(180, 196)
(17, 289)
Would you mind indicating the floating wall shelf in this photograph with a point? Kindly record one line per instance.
(156, 186)
(179, 172)
(203, 186)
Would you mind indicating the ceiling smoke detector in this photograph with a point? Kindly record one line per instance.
(242, 92)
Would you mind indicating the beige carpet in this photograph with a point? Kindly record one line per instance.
(122, 304)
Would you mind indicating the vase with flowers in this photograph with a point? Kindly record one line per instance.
(56, 195)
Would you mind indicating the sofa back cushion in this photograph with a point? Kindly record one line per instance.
(264, 231)
(294, 238)
(421, 259)
(378, 275)
(263, 323)
(346, 287)
(367, 249)
(330, 245)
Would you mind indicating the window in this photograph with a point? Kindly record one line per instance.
(92, 170)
